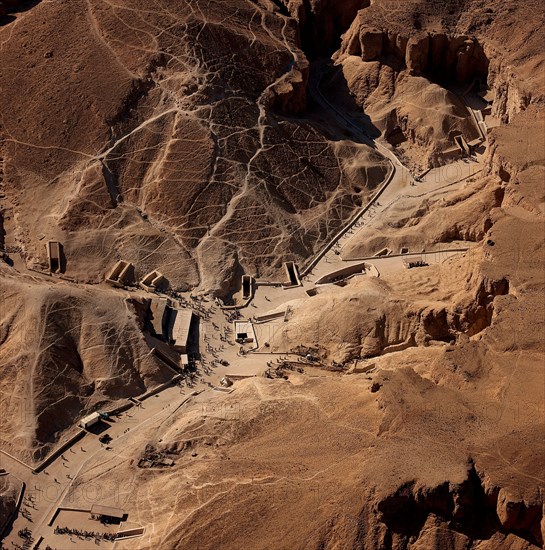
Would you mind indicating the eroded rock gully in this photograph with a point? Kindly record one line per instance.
(476, 508)
(320, 25)
(322, 22)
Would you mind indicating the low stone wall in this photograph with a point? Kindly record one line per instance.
(136, 532)
(409, 254)
(351, 223)
(57, 452)
(269, 317)
(343, 273)
(159, 388)
(121, 408)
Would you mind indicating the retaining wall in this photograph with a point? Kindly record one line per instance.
(56, 453)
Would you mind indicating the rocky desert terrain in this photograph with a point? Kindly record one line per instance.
(345, 201)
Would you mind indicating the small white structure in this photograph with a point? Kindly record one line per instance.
(361, 367)
(88, 421)
(54, 256)
(292, 275)
(180, 325)
(244, 332)
(108, 514)
(119, 275)
(226, 382)
(152, 280)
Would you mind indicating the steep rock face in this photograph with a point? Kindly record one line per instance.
(397, 79)
(515, 515)
(475, 508)
(511, 94)
(417, 54)
(322, 22)
(473, 51)
(439, 56)
(9, 489)
(290, 94)
(517, 149)
(476, 45)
